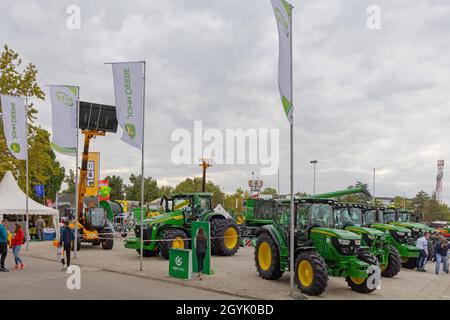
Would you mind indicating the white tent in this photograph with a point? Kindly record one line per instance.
(12, 201)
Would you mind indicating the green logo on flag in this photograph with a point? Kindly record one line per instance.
(131, 130)
(282, 21)
(15, 147)
(64, 98)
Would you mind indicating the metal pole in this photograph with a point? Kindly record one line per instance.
(75, 245)
(292, 233)
(373, 188)
(278, 185)
(314, 182)
(142, 169)
(27, 229)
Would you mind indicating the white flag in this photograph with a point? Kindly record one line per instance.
(64, 119)
(283, 16)
(15, 125)
(128, 91)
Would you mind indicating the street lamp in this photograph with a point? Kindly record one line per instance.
(314, 162)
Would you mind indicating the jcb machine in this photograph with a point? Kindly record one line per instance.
(92, 223)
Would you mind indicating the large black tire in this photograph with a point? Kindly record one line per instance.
(169, 235)
(311, 273)
(267, 263)
(225, 234)
(394, 264)
(148, 253)
(360, 285)
(107, 244)
(409, 263)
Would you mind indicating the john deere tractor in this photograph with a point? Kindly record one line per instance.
(397, 236)
(408, 219)
(171, 229)
(350, 217)
(320, 249)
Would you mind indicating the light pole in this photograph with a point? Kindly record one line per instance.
(314, 162)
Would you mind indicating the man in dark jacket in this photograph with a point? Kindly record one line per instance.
(65, 242)
(3, 244)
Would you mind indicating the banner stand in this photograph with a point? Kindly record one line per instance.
(196, 225)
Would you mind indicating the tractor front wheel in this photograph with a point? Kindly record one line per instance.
(311, 273)
(226, 235)
(173, 239)
(394, 264)
(409, 263)
(360, 284)
(107, 244)
(267, 258)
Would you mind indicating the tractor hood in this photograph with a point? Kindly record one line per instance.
(414, 225)
(364, 230)
(392, 227)
(336, 233)
(177, 215)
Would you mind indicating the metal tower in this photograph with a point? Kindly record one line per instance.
(439, 177)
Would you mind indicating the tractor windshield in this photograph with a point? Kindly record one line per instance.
(348, 217)
(405, 217)
(389, 216)
(370, 217)
(321, 215)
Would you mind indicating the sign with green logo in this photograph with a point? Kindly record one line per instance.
(180, 262)
(196, 225)
(15, 125)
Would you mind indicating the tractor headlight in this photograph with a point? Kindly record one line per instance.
(401, 234)
(358, 242)
(415, 230)
(344, 242)
(371, 236)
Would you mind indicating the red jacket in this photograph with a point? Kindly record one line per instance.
(17, 240)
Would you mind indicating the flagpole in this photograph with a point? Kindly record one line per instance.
(142, 168)
(27, 228)
(292, 235)
(75, 244)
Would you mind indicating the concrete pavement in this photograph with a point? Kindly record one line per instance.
(42, 279)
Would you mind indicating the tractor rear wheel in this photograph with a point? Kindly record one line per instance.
(147, 253)
(360, 284)
(394, 264)
(311, 273)
(107, 244)
(226, 236)
(267, 258)
(173, 239)
(409, 263)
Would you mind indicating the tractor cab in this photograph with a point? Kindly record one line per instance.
(192, 205)
(348, 214)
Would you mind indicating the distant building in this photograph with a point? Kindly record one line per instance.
(386, 201)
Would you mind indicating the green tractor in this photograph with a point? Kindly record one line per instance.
(399, 237)
(320, 249)
(171, 229)
(258, 213)
(409, 219)
(350, 217)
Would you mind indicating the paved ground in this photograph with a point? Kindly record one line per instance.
(236, 276)
(44, 280)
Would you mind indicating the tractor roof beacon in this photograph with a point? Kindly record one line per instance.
(171, 229)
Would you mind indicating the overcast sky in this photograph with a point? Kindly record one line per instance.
(363, 98)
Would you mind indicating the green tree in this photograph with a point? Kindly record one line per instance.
(233, 202)
(166, 191)
(16, 80)
(70, 181)
(133, 191)
(357, 198)
(117, 187)
(195, 185)
(271, 191)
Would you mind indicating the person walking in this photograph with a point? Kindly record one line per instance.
(3, 244)
(201, 244)
(422, 245)
(65, 242)
(441, 252)
(16, 244)
(40, 225)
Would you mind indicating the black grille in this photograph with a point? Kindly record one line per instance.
(351, 249)
(147, 234)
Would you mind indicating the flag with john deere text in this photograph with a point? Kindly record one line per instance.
(15, 125)
(283, 17)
